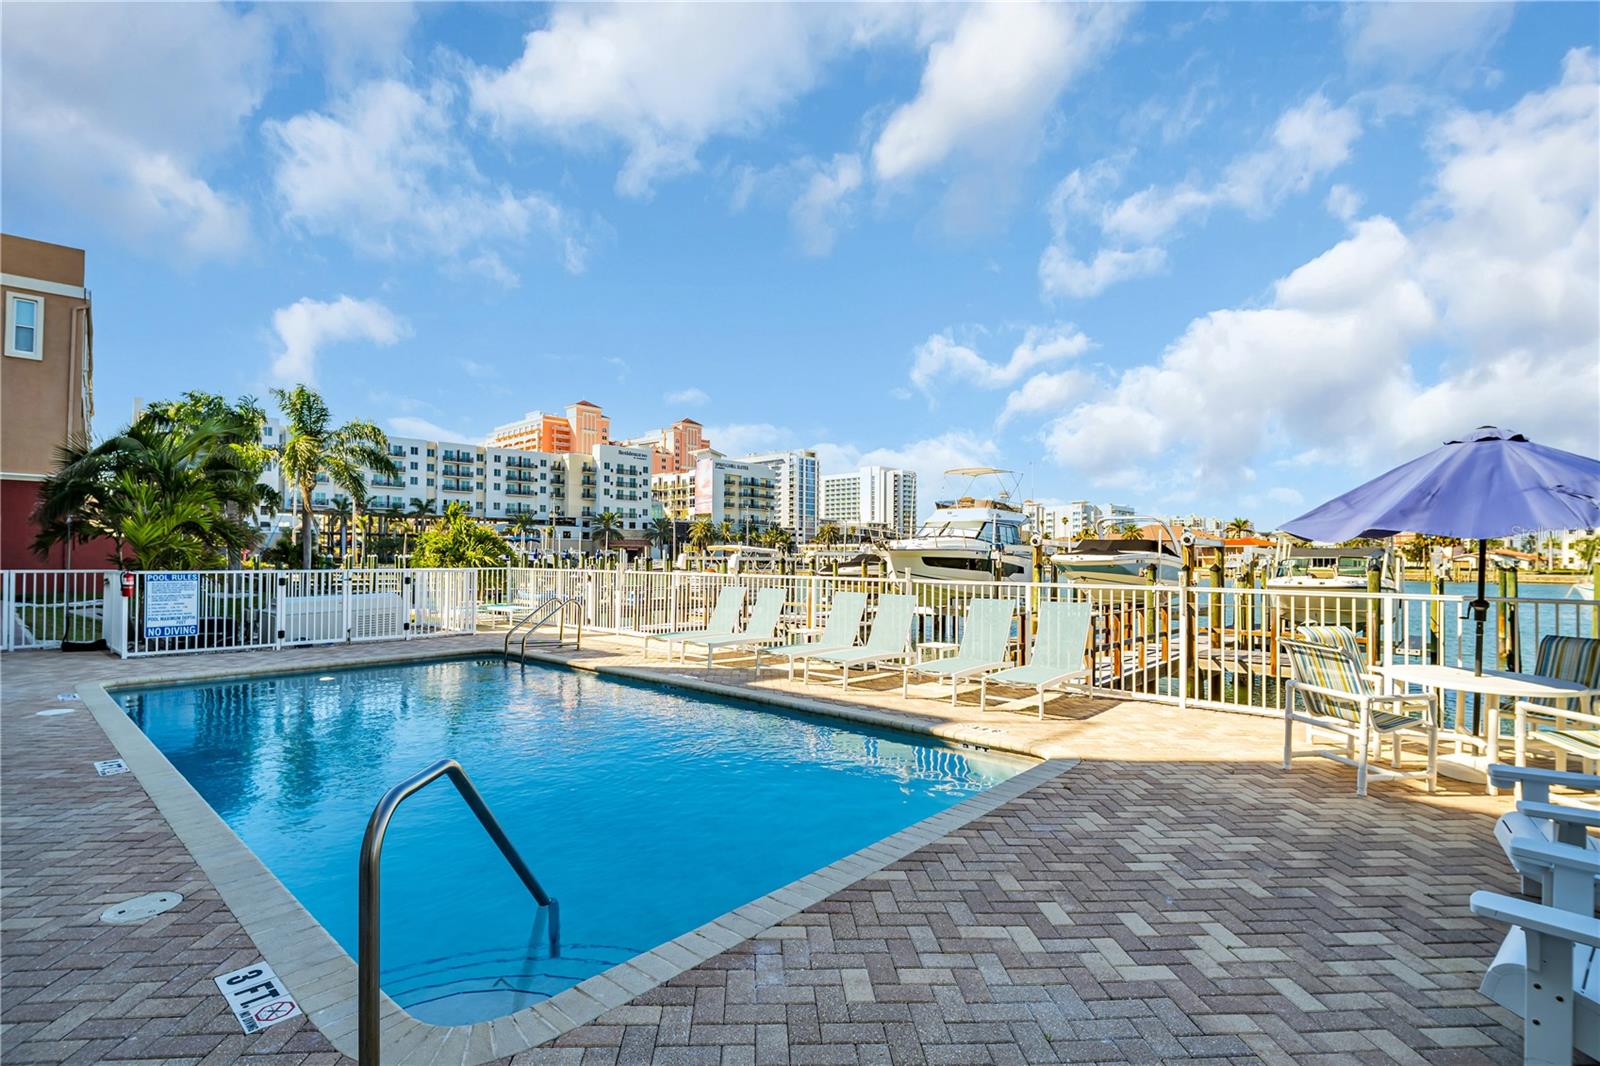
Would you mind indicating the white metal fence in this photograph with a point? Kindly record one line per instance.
(1213, 647)
(42, 608)
(176, 612)
(1216, 647)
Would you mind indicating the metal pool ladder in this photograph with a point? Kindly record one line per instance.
(368, 1035)
(555, 607)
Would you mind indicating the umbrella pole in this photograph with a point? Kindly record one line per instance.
(1480, 611)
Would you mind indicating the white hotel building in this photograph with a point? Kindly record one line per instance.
(796, 504)
(562, 490)
(874, 496)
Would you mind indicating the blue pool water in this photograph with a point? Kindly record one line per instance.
(645, 811)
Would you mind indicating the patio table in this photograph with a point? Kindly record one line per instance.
(1491, 684)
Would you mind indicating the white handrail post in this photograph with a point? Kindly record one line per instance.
(1184, 622)
(280, 612)
(8, 611)
(472, 598)
(349, 621)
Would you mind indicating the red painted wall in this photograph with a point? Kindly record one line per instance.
(17, 500)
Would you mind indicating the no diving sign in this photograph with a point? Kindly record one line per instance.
(257, 998)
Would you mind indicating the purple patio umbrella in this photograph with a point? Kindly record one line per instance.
(1492, 484)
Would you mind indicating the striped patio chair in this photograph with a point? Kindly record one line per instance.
(1328, 693)
(1334, 636)
(1556, 724)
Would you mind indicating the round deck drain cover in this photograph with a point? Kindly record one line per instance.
(51, 712)
(139, 908)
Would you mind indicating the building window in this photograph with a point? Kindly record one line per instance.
(24, 326)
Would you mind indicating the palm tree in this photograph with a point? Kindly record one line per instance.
(609, 524)
(343, 509)
(662, 532)
(171, 493)
(312, 445)
(241, 454)
(777, 538)
(418, 514)
(827, 534)
(523, 524)
(353, 480)
(702, 531)
(1130, 531)
(1238, 527)
(458, 539)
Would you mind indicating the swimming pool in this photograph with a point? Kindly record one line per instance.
(645, 810)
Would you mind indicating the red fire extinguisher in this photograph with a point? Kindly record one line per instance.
(127, 584)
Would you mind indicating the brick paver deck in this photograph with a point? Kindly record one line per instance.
(1176, 896)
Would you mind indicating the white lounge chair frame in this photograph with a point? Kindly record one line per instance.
(838, 634)
(982, 650)
(1051, 673)
(888, 642)
(724, 620)
(760, 628)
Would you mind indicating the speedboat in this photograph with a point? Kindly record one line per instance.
(1101, 559)
(970, 538)
(1096, 560)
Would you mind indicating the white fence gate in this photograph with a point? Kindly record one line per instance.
(42, 608)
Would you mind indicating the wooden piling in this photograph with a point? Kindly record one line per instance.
(1502, 643)
(1513, 630)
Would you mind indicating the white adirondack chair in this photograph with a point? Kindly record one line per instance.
(1546, 970)
(1536, 818)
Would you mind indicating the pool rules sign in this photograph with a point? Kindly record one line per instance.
(257, 998)
(171, 605)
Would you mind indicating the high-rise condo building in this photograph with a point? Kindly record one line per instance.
(874, 496)
(675, 446)
(583, 426)
(796, 489)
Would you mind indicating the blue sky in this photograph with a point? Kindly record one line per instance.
(1221, 258)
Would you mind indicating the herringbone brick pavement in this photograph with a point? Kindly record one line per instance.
(1174, 897)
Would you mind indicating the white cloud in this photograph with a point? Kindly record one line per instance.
(411, 426)
(940, 356)
(307, 325)
(356, 40)
(823, 208)
(113, 111)
(744, 438)
(1344, 202)
(1307, 141)
(1407, 39)
(988, 87)
(1342, 366)
(385, 172)
(661, 79)
(1061, 274)
(690, 397)
(1046, 394)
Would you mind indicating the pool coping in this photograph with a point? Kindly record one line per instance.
(322, 975)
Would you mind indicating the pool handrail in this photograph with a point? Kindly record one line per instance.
(538, 616)
(368, 1030)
